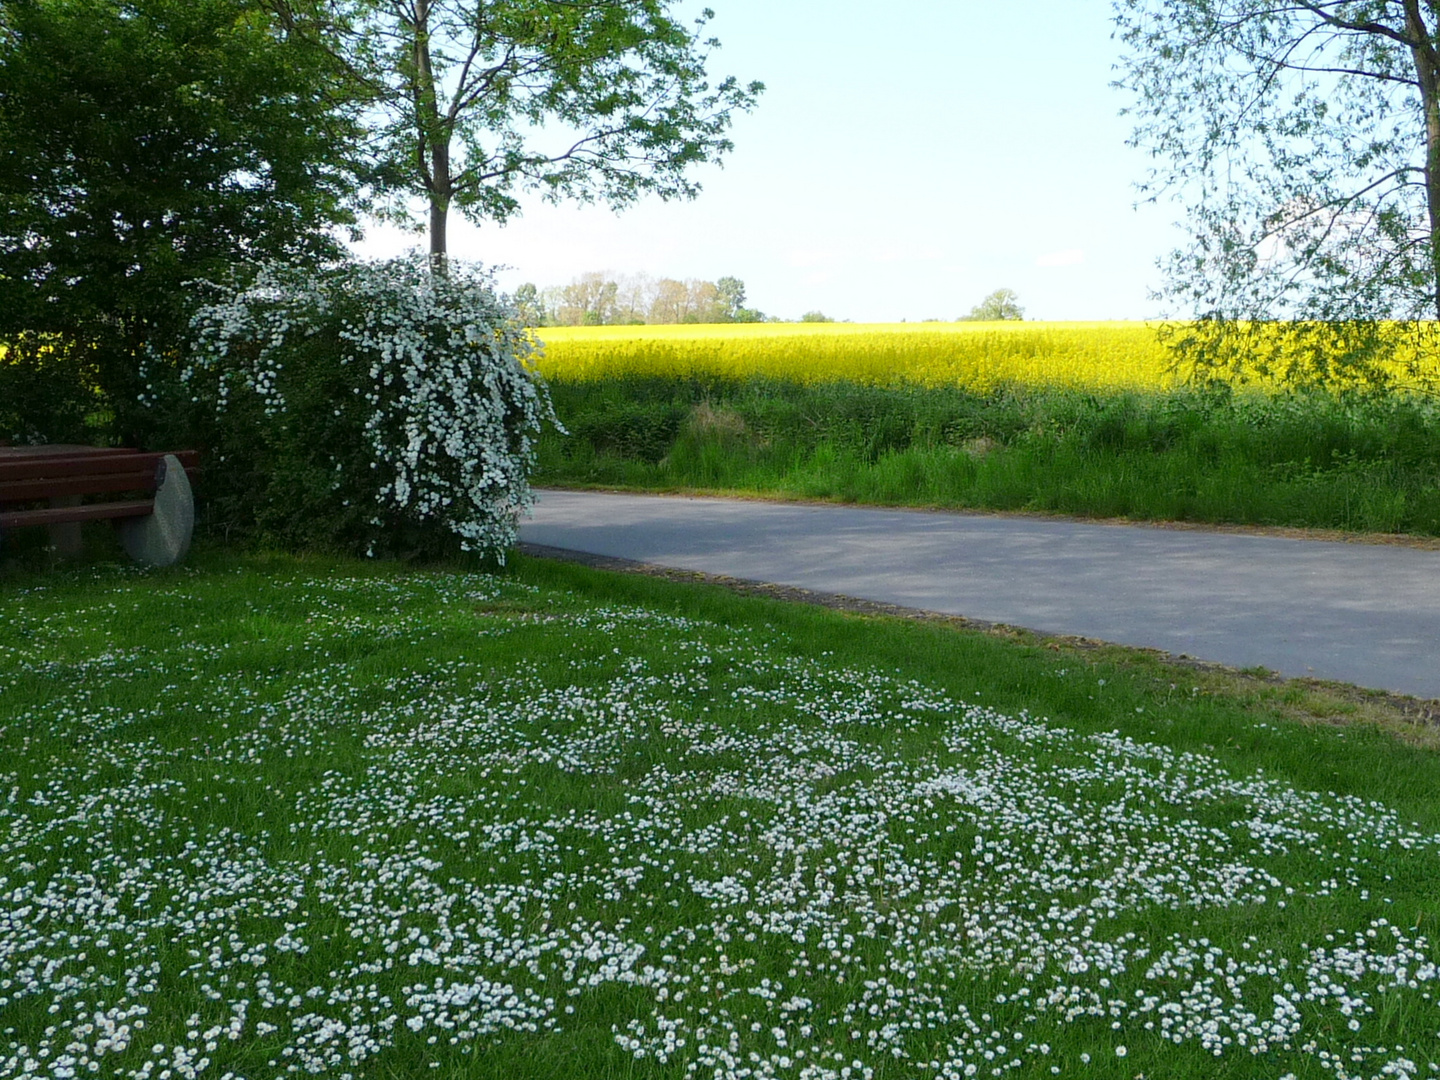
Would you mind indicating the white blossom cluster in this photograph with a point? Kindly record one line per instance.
(733, 860)
(435, 364)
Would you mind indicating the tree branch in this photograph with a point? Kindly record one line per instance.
(1363, 26)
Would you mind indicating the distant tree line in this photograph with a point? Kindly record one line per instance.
(600, 299)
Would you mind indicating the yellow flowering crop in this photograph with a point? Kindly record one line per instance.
(975, 355)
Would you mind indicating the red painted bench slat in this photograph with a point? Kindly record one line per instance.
(73, 465)
(64, 515)
(46, 488)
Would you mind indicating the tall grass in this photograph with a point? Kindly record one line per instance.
(1291, 460)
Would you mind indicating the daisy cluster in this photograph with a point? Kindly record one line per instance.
(410, 388)
(279, 852)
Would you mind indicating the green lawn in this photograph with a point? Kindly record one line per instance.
(266, 817)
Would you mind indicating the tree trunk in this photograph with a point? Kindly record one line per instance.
(438, 213)
(1427, 72)
(435, 135)
(439, 201)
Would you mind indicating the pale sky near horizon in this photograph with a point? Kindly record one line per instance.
(899, 166)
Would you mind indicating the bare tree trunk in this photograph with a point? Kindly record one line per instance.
(439, 201)
(1427, 71)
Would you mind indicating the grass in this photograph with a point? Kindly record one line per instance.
(1305, 461)
(270, 816)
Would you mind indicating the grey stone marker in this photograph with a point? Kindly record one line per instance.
(163, 538)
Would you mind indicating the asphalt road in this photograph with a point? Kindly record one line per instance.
(1358, 613)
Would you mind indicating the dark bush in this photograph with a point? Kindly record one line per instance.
(48, 392)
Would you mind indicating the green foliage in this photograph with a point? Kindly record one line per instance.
(144, 144)
(614, 423)
(731, 292)
(1000, 306)
(1303, 141)
(530, 305)
(1366, 463)
(815, 316)
(47, 392)
(468, 88)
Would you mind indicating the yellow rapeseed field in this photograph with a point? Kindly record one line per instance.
(1109, 355)
(976, 356)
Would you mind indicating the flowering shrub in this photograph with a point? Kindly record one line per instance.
(378, 407)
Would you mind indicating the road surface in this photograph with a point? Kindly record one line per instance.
(1359, 613)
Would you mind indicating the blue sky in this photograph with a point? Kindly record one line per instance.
(904, 161)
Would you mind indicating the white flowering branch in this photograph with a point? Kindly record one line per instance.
(428, 373)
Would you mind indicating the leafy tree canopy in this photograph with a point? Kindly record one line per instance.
(144, 143)
(1304, 141)
(530, 305)
(1001, 305)
(477, 100)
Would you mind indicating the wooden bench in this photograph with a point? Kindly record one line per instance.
(155, 521)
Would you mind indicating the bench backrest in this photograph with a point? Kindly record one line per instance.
(41, 475)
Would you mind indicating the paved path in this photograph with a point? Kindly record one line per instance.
(1358, 613)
